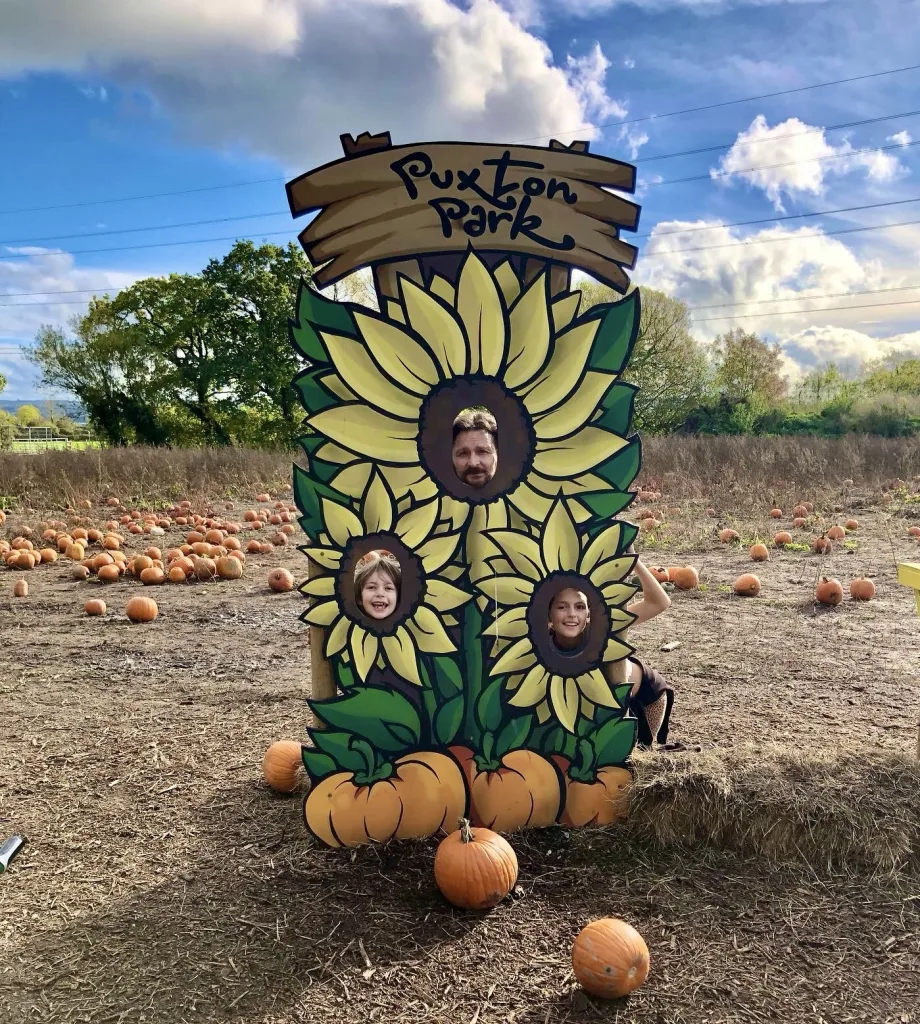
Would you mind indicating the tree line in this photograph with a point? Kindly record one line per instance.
(204, 359)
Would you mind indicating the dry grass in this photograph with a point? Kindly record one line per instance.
(853, 809)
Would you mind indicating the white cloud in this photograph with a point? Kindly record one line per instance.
(901, 138)
(285, 78)
(629, 62)
(586, 8)
(736, 281)
(796, 159)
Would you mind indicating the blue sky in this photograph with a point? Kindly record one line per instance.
(107, 100)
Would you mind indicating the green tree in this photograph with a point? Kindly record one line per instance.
(747, 369)
(29, 416)
(667, 363)
(2, 383)
(822, 385)
(894, 375)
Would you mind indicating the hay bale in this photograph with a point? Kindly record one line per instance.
(844, 808)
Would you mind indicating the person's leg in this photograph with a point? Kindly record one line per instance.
(654, 715)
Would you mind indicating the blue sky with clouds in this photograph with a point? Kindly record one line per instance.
(122, 99)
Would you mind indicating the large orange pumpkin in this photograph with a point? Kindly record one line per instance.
(281, 764)
(728, 535)
(280, 580)
(829, 591)
(782, 538)
(602, 802)
(95, 606)
(759, 552)
(142, 609)
(836, 532)
(475, 868)
(747, 585)
(426, 791)
(684, 577)
(610, 958)
(525, 791)
(862, 589)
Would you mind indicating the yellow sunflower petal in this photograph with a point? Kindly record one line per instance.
(575, 412)
(595, 687)
(517, 658)
(565, 311)
(507, 281)
(562, 374)
(377, 506)
(602, 547)
(560, 545)
(368, 432)
(363, 376)
(402, 655)
(481, 309)
(334, 383)
(455, 512)
(586, 708)
(364, 648)
(340, 521)
(543, 713)
(506, 590)
(429, 632)
(444, 596)
(564, 697)
(326, 558)
(616, 650)
(576, 485)
(532, 689)
(417, 524)
(530, 504)
(588, 448)
(511, 623)
(395, 311)
(441, 287)
(337, 638)
(522, 552)
(613, 570)
(330, 452)
(528, 346)
(353, 480)
(479, 547)
(436, 324)
(616, 594)
(323, 614)
(400, 355)
(437, 552)
(319, 586)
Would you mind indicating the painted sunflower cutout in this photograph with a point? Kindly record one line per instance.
(559, 683)
(384, 389)
(416, 625)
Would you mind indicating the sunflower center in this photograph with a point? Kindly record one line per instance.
(376, 608)
(557, 658)
(503, 424)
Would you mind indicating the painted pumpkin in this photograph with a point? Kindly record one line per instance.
(475, 868)
(603, 802)
(610, 958)
(281, 764)
(526, 791)
(425, 793)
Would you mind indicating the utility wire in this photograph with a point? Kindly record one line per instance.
(822, 309)
(805, 297)
(610, 124)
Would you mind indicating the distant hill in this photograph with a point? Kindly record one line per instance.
(66, 407)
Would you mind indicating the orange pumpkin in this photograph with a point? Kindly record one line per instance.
(79, 572)
(799, 522)
(851, 524)
(747, 585)
(525, 791)
(475, 868)
(205, 569)
(782, 538)
(229, 568)
(152, 575)
(776, 513)
(836, 532)
(20, 589)
(610, 958)
(48, 555)
(862, 589)
(281, 764)
(426, 791)
(280, 580)
(684, 577)
(139, 564)
(141, 609)
(821, 545)
(913, 531)
(96, 606)
(829, 591)
(601, 802)
(660, 573)
(108, 573)
(728, 535)
(759, 552)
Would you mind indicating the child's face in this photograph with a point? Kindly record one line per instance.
(378, 595)
(568, 614)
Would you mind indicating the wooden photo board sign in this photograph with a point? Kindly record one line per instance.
(388, 202)
(469, 453)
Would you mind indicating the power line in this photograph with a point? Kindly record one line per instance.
(804, 298)
(822, 309)
(536, 138)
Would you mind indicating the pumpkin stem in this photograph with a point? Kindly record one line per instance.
(466, 832)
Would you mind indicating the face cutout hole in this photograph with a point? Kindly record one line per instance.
(378, 585)
(474, 447)
(569, 620)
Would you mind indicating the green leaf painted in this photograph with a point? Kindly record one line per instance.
(616, 335)
(318, 764)
(617, 408)
(471, 647)
(605, 505)
(448, 719)
(621, 469)
(307, 494)
(313, 395)
(386, 719)
(315, 313)
(345, 675)
(448, 680)
(340, 748)
(514, 734)
(614, 741)
(489, 706)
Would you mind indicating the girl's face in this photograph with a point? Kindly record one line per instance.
(568, 616)
(378, 595)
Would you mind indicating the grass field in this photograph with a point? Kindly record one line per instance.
(775, 876)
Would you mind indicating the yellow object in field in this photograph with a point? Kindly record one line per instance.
(909, 575)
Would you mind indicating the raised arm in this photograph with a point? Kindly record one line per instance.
(654, 599)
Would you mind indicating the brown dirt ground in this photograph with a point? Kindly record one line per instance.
(163, 883)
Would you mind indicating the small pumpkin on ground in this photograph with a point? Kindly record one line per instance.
(281, 764)
(280, 580)
(821, 545)
(836, 532)
(660, 573)
(20, 588)
(782, 538)
(776, 513)
(95, 606)
(829, 591)
(684, 577)
(728, 535)
(862, 589)
(475, 868)
(759, 552)
(142, 609)
(747, 585)
(851, 524)
(610, 958)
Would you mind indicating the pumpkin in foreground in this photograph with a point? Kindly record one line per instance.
(610, 958)
(475, 869)
(281, 764)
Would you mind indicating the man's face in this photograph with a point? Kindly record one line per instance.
(475, 457)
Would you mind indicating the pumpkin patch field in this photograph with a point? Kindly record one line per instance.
(770, 870)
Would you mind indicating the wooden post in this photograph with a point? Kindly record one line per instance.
(909, 575)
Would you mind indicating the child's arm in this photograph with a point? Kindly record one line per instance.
(654, 599)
